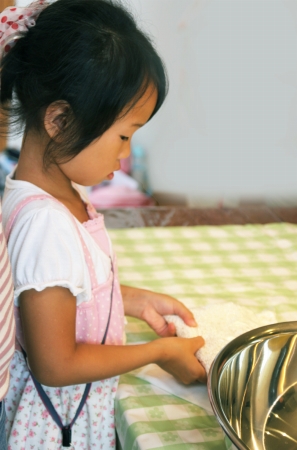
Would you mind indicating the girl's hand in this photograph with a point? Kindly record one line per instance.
(178, 358)
(152, 306)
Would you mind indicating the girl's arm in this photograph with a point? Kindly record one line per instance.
(48, 321)
(152, 306)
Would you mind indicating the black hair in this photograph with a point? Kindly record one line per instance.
(88, 53)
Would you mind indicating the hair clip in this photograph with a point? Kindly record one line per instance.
(15, 21)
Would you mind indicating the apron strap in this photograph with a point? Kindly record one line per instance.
(66, 429)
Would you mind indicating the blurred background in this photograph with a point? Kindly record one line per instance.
(227, 133)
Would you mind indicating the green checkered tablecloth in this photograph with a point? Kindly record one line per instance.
(252, 265)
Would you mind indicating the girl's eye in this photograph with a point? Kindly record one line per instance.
(124, 138)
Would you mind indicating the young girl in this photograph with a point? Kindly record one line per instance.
(82, 78)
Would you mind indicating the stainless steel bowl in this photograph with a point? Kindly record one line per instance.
(252, 386)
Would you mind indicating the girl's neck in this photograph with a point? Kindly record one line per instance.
(53, 181)
(30, 168)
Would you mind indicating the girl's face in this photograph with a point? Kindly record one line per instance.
(101, 158)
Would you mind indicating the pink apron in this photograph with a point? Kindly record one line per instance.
(91, 320)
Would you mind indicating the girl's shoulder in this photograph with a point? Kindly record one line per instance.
(26, 200)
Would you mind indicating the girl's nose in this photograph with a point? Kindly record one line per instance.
(126, 151)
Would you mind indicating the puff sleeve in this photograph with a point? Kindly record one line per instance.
(46, 251)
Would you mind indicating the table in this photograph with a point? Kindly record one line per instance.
(170, 216)
(253, 265)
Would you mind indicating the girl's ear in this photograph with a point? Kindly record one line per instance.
(56, 116)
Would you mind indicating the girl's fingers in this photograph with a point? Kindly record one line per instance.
(182, 311)
(171, 331)
(181, 361)
(200, 374)
(198, 342)
(166, 330)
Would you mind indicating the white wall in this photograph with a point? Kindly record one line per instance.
(228, 130)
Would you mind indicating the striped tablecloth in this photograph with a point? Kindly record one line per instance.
(252, 265)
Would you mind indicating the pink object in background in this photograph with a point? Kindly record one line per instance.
(112, 196)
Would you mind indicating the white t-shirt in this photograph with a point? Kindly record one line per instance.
(44, 247)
